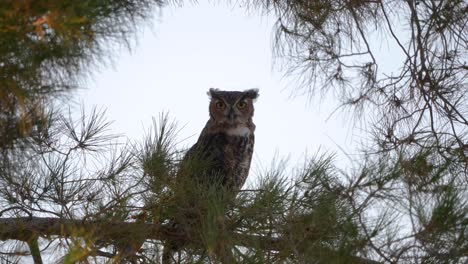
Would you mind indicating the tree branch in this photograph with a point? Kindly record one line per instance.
(35, 251)
(29, 228)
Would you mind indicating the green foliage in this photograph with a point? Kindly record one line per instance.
(308, 215)
(44, 44)
(405, 201)
(47, 46)
(444, 226)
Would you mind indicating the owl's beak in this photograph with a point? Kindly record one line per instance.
(232, 116)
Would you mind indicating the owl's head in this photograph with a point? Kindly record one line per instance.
(232, 108)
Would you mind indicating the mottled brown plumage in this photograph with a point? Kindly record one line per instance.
(226, 143)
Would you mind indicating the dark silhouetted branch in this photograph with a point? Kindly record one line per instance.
(28, 229)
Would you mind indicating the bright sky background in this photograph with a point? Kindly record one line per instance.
(189, 49)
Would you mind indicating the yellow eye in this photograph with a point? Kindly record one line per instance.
(241, 104)
(219, 105)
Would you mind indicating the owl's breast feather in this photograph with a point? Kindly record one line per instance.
(241, 131)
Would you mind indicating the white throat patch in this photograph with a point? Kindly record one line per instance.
(238, 131)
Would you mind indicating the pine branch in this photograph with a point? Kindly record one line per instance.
(35, 251)
(29, 228)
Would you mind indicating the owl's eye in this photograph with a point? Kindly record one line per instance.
(219, 105)
(241, 104)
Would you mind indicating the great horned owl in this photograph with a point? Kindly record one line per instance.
(226, 143)
(221, 156)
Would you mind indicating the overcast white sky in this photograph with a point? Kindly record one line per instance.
(186, 51)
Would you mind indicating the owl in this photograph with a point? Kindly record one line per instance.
(226, 143)
(221, 156)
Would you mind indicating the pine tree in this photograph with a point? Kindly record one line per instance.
(405, 202)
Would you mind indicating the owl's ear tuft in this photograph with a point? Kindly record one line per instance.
(212, 92)
(251, 93)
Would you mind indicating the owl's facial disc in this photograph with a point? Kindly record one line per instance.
(232, 109)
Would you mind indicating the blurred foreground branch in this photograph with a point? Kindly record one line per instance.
(29, 228)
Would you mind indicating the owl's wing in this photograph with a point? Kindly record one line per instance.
(240, 151)
(205, 160)
(218, 158)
